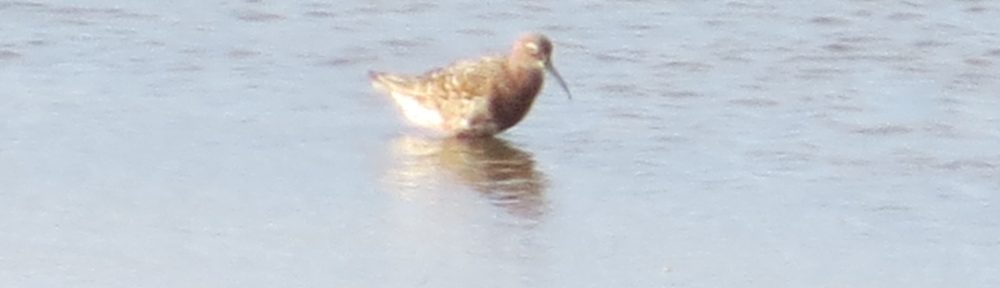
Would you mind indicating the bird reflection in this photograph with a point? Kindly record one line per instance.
(504, 174)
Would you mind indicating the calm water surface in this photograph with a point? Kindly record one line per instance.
(721, 144)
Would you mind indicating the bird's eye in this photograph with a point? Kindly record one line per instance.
(532, 47)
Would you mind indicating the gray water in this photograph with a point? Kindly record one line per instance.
(718, 144)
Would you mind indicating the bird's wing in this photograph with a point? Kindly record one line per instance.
(461, 80)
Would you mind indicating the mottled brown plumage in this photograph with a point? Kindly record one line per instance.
(474, 98)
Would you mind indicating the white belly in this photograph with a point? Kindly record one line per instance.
(417, 113)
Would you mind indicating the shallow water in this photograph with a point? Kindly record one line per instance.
(736, 144)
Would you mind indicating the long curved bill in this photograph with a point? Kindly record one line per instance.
(552, 69)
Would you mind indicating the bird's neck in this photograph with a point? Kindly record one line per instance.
(525, 83)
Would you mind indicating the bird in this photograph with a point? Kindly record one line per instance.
(475, 97)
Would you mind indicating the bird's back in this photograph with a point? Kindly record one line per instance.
(463, 79)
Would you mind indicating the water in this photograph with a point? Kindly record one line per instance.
(729, 144)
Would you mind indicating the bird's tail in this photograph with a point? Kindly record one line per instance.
(387, 82)
(375, 75)
(378, 80)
